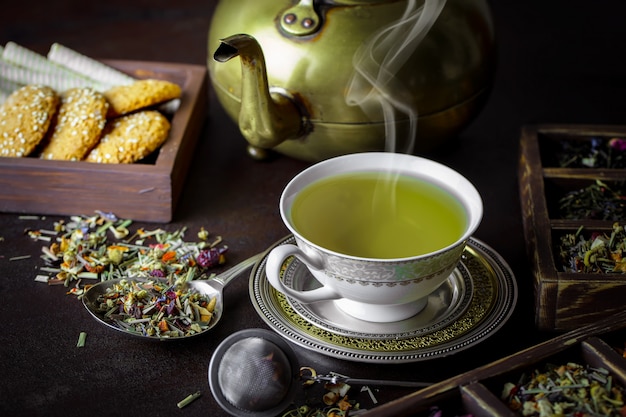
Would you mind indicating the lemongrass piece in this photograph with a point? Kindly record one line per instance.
(87, 275)
(87, 66)
(135, 321)
(49, 254)
(24, 57)
(19, 258)
(42, 278)
(47, 232)
(81, 339)
(39, 237)
(189, 399)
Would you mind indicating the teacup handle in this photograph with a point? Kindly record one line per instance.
(275, 260)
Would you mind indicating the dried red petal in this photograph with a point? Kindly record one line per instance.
(211, 257)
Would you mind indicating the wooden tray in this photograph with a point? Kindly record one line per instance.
(563, 301)
(146, 191)
(478, 391)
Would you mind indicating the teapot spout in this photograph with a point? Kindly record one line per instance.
(267, 117)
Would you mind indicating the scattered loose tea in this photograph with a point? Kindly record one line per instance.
(101, 247)
(601, 253)
(570, 389)
(334, 402)
(597, 201)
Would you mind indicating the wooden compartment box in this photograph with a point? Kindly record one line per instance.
(564, 299)
(143, 191)
(478, 392)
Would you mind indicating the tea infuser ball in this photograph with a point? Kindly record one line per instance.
(253, 372)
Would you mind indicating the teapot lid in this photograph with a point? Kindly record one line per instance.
(304, 19)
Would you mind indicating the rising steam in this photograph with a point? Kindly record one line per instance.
(374, 85)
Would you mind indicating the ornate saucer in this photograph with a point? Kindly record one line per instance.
(476, 301)
(444, 305)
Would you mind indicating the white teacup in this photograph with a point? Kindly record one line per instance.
(370, 287)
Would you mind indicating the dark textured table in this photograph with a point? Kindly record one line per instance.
(559, 61)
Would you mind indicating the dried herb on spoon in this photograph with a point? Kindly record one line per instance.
(151, 308)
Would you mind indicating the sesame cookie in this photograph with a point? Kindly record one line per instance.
(130, 138)
(77, 125)
(25, 117)
(124, 99)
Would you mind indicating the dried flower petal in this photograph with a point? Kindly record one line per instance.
(211, 257)
(618, 143)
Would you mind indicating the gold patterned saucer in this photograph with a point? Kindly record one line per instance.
(443, 306)
(489, 295)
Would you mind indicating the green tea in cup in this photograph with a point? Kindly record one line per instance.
(378, 215)
(378, 231)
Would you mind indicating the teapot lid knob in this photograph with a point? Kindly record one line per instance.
(301, 19)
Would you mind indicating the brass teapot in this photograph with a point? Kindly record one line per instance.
(321, 78)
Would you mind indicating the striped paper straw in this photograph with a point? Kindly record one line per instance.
(23, 57)
(87, 66)
(22, 75)
(170, 107)
(8, 86)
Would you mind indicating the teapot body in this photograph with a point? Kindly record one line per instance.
(442, 82)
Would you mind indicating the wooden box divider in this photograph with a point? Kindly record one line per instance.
(563, 300)
(478, 391)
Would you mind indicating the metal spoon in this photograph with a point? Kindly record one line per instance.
(336, 379)
(213, 287)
